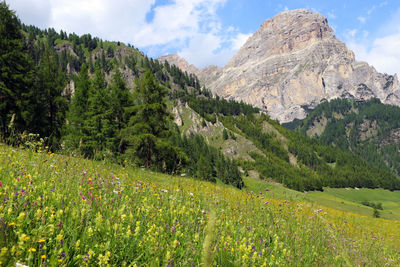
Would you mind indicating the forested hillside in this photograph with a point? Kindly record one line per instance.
(102, 100)
(367, 128)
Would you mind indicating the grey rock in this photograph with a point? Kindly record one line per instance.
(293, 62)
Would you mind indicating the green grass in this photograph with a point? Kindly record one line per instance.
(59, 210)
(349, 199)
(344, 199)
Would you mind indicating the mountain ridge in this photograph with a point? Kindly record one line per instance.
(292, 63)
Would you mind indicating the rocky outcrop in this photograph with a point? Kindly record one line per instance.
(206, 75)
(292, 63)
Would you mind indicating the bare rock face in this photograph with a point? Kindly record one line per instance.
(293, 62)
(180, 63)
(206, 75)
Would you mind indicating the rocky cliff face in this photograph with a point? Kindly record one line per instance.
(293, 62)
(206, 75)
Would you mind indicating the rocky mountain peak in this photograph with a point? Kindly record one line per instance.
(292, 63)
(206, 74)
(174, 59)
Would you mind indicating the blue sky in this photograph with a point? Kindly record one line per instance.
(208, 32)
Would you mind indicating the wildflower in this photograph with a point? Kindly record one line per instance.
(11, 224)
(42, 241)
(43, 257)
(32, 250)
(3, 251)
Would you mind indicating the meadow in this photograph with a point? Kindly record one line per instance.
(63, 211)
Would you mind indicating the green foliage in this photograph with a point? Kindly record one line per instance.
(75, 212)
(208, 107)
(366, 128)
(106, 121)
(252, 127)
(376, 213)
(206, 162)
(148, 125)
(319, 165)
(98, 125)
(225, 135)
(373, 205)
(16, 77)
(50, 85)
(204, 170)
(78, 109)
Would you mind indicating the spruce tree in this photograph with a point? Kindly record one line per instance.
(120, 109)
(78, 110)
(204, 169)
(51, 83)
(16, 75)
(94, 136)
(149, 125)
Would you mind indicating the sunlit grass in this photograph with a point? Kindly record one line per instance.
(58, 210)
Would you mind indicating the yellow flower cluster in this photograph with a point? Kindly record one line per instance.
(58, 210)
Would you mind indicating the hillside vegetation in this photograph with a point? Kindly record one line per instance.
(368, 128)
(69, 211)
(101, 100)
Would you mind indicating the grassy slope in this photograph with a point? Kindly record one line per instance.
(58, 209)
(350, 200)
(192, 122)
(344, 199)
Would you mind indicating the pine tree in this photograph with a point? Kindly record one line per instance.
(204, 170)
(94, 136)
(149, 125)
(16, 75)
(225, 135)
(120, 109)
(51, 84)
(78, 110)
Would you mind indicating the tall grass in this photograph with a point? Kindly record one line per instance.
(58, 210)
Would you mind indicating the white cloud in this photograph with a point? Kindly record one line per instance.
(191, 27)
(382, 51)
(350, 33)
(383, 54)
(371, 10)
(362, 19)
(331, 15)
(36, 12)
(239, 40)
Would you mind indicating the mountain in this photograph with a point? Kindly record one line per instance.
(292, 63)
(102, 87)
(368, 128)
(206, 75)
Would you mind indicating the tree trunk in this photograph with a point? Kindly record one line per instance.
(148, 154)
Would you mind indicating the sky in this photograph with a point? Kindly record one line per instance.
(210, 32)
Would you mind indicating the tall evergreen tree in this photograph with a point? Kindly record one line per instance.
(149, 125)
(78, 110)
(16, 74)
(204, 169)
(50, 85)
(94, 136)
(120, 109)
